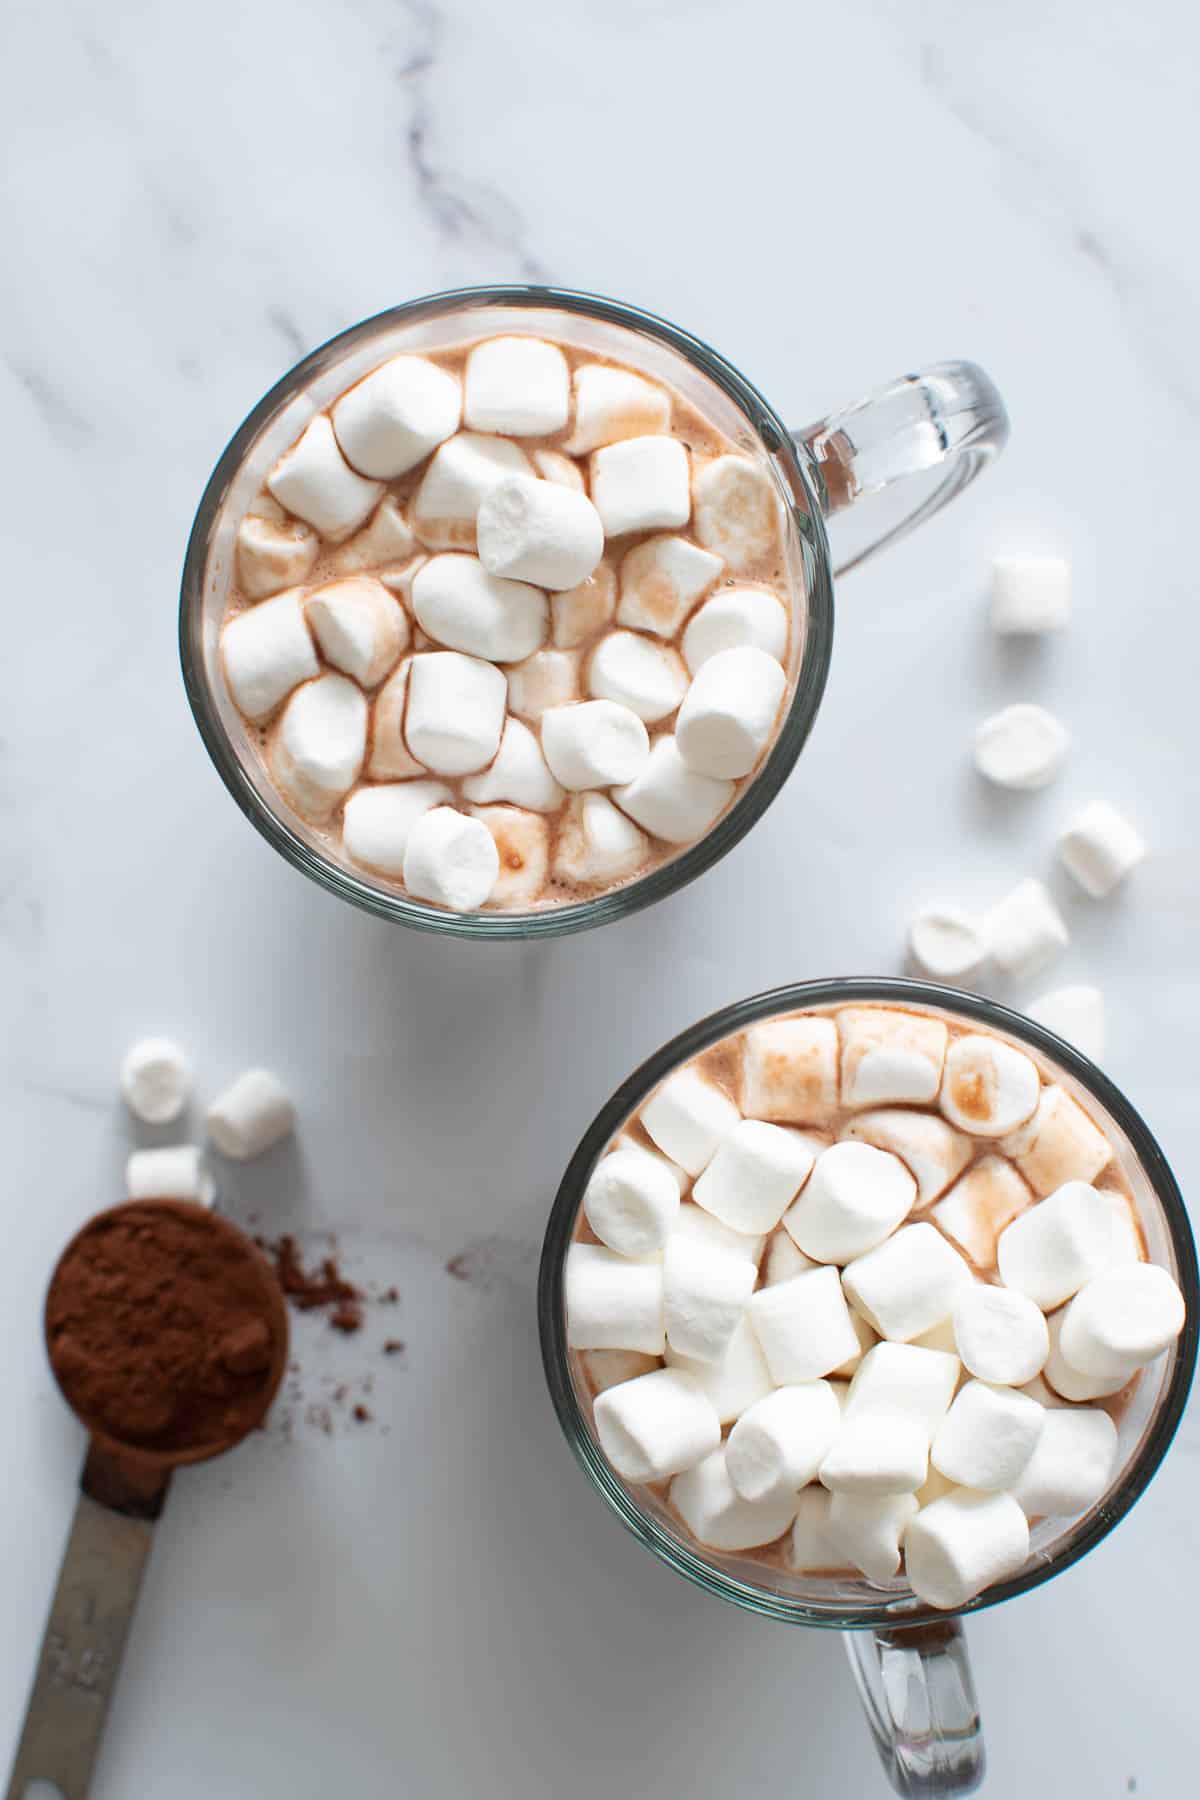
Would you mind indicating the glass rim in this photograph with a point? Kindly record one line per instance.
(668, 877)
(890, 1609)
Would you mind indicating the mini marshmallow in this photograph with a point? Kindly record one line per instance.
(908, 1284)
(518, 774)
(854, 1198)
(810, 1548)
(272, 556)
(596, 843)
(454, 484)
(1059, 1144)
(631, 1200)
(522, 841)
(989, 1087)
(594, 744)
(661, 581)
(452, 861)
(932, 1151)
(609, 1368)
(1000, 1334)
(156, 1080)
(361, 628)
(1127, 1315)
(876, 1457)
(390, 757)
(611, 404)
(705, 1292)
(961, 1545)
(455, 712)
(636, 672)
(1054, 1248)
(314, 481)
(613, 1302)
(1074, 1013)
(737, 510)
(254, 1113)
(790, 1071)
(459, 604)
(735, 617)
(1071, 1465)
(934, 1487)
(689, 1118)
(1030, 593)
(545, 679)
(784, 1260)
(867, 1530)
(803, 1326)
(538, 531)
(518, 386)
(938, 1337)
(1075, 1384)
(390, 420)
(946, 943)
(903, 1381)
(670, 800)
(1099, 847)
(319, 745)
(729, 712)
(377, 821)
(889, 1056)
(641, 484)
(1021, 747)
(552, 465)
(656, 1425)
(755, 1175)
(583, 611)
(780, 1442)
(1025, 930)
(267, 652)
(866, 1334)
(696, 1226)
(987, 1437)
(177, 1173)
(717, 1515)
(737, 1381)
(384, 541)
(1127, 1236)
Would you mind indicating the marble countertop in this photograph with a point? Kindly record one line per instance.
(433, 1602)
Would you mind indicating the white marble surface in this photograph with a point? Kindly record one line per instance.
(435, 1603)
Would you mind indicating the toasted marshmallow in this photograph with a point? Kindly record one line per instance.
(876, 1457)
(1071, 1465)
(1126, 1315)
(654, 1426)
(266, 653)
(989, 1088)
(755, 1175)
(452, 861)
(889, 1056)
(636, 672)
(962, 1544)
(784, 1260)
(790, 1071)
(361, 628)
(632, 1200)
(946, 943)
(318, 747)
(178, 1172)
(396, 415)
(979, 1206)
(932, 1150)
(314, 481)
(377, 821)
(903, 1381)
(810, 1549)
(271, 556)
(705, 1292)
(1000, 1334)
(854, 1198)
(778, 1445)
(522, 842)
(455, 712)
(867, 1530)
(717, 1515)
(1030, 593)
(909, 1283)
(670, 800)
(538, 531)
(696, 1226)
(613, 1302)
(1075, 1384)
(384, 542)
(596, 843)
(1076, 1014)
(593, 745)
(729, 712)
(460, 474)
(583, 611)
(803, 1326)
(156, 1080)
(552, 465)
(661, 581)
(737, 1381)
(737, 511)
(611, 404)
(689, 1118)
(1059, 1144)
(459, 604)
(519, 773)
(1099, 847)
(519, 386)
(1025, 930)
(252, 1115)
(1021, 747)
(391, 758)
(609, 1368)
(641, 484)
(1056, 1247)
(733, 619)
(987, 1437)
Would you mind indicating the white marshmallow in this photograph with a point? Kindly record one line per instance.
(519, 386)
(903, 1381)
(611, 404)
(1050, 1251)
(934, 1487)
(156, 1080)
(452, 861)
(803, 1326)
(396, 415)
(377, 821)
(609, 1368)
(811, 1550)
(641, 484)
(613, 1302)
(1021, 746)
(988, 1088)
(596, 843)
(866, 1334)
(1127, 1315)
(670, 800)
(271, 556)
(908, 1284)
(987, 1437)
(790, 1071)
(361, 628)
(457, 603)
(1127, 1237)
(755, 1175)
(867, 1531)
(737, 1381)
(661, 581)
(931, 1150)
(314, 481)
(784, 1260)
(1030, 593)
(696, 1226)
(460, 474)
(962, 1544)
(737, 511)
(552, 465)
(646, 677)
(318, 747)
(594, 744)
(390, 757)
(779, 1443)
(1071, 1465)
(632, 1200)
(938, 1337)
(689, 1118)
(266, 653)
(455, 712)
(977, 1208)
(518, 774)
(583, 611)
(253, 1113)
(716, 1514)
(522, 841)
(1000, 1334)
(538, 531)
(1025, 930)
(1099, 847)
(877, 1457)
(1076, 1014)
(1072, 1383)
(654, 1426)
(890, 1056)
(1059, 1144)
(175, 1173)
(545, 679)
(946, 943)
(384, 541)
(729, 712)
(736, 617)
(705, 1292)
(854, 1198)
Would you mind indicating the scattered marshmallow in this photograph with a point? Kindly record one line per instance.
(266, 653)
(962, 1544)
(717, 1515)
(1056, 1247)
(699, 1227)
(176, 1173)
(732, 619)
(1021, 746)
(1071, 1465)
(552, 465)
(1076, 1014)
(784, 1260)
(273, 555)
(889, 1057)
(876, 1457)
(390, 420)
(987, 1437)
(584, 611)
(688, 1117)
(522, 841)
(545, 679)
(1000, 1334)
(903, 1381)
(755, 1175)
(729, 712)
(1030, 593)
(539, 531)
(319, 745)
(594, 744)
(519, 386)
(455, 712)
(1126, 1315)
(737, 510)
(252, 1115)
(377, 821)
(611, 404)
(737, 1381)
(452, 861)
(909, 1283)
(631, 1200)
(596, 843)
(671, 801)
(519, 773)
(1025, 930)
(705, 1292)
(636, 672)
(609, 1368)
(314, 481)
(661, 581)
(868, 1531)
(1099, 847)
(390, 758)
(790, 1071)
(641, 484)
(386, 539)
(989, 1087)
(656, 1425)
(1075, 1384)
(361, 628)
(1059, 1144)
(779, 1443)
(803, 1326)
(458, 603)
(854, 1198)
(811, 1550)
(933, 1151)
(156, 1080)
(613, 1302)
(459, 475)
(946, 943)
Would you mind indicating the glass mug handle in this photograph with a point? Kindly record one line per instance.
(916, 1687)
(887, 462)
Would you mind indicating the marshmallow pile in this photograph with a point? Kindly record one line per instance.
(860, 1312)
(247, 1118)
(505, 630)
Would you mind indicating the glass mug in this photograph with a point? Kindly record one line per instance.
(909, 1659)
(875, 470)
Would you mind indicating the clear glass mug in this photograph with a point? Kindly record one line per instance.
(909, 1660)
(872, 471)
